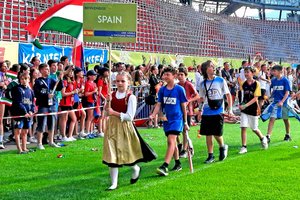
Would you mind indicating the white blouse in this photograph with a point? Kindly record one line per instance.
(131, 106)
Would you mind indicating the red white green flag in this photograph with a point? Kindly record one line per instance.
(66, 17)
(11, 74)
(6, 101)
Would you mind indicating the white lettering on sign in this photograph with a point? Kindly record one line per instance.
(171, 100)
(278, 87)
(109, 19)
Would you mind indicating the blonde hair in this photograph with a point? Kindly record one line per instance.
(126, 74)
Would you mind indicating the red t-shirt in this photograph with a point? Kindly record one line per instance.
(189, 89)
(90, 86)
(68, 100)
(103, 84)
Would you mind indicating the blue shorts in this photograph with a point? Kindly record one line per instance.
(285, 112)
(47, 120)
(22, 123)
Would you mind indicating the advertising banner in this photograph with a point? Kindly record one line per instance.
(28, 51)
(109, 22)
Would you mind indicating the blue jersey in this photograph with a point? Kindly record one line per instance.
(171, 103)
(217, 88)
(43, 87)
(22, 100)
(280, 87)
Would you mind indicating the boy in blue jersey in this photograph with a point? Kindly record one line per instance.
(212, 91)
(281, 91)
(172, 100)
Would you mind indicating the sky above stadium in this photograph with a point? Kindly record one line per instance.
(270, 14)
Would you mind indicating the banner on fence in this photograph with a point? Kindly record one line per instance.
(28, 51)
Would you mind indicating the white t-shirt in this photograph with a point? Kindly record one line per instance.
(216, 90)
(242, 75)
(291, 80)
(199, 79)
(262, 83)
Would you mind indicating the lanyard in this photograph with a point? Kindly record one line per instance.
(208, 87)
(48, 85)
(165, 101)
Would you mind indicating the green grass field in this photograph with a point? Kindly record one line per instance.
(259, 174)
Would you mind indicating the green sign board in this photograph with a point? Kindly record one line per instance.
(109, 22)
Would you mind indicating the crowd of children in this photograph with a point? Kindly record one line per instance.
(40, 89)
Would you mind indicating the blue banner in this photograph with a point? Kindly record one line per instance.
(95, 55)
(28, 51)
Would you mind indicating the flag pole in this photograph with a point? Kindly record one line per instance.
(109, 80)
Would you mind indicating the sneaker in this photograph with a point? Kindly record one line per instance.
(82, 135)
(243, 150)
(183, 154)
(40, 147)
(223, 152)
(268, 138)
(32, 140)
(91, 136)
(54, 145)
(287, 138)
(66, 139)
(264, 143)
(177, 168)
(163, 171)
(209, 160)
(101, 134)
(72, 138)
(2, 145)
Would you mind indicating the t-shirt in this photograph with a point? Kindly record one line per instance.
(199, 79)
(249, 92)
(153, 81)
(171, 103)
(279, 88)
(189, 89)
(262, 83)
(89, 87)
(103, 84)
(68, 100)
(217, 88)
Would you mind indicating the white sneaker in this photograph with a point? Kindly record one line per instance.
(101, 134)
(2, 145)
(264, 143)
(40, 147)
(243, 150)
(72, 138)
(65, 139)
(82, 135)
(32, 140)
(54, 145)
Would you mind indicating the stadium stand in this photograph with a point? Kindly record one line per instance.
(167, 27)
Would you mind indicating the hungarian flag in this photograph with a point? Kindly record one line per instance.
(6, 101)
(66, 17)
(77, 55)
(11, 74)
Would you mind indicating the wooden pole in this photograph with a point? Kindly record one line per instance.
(109, 80)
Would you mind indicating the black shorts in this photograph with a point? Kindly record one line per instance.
(64, 108)
(263, 93)
(172, 133)
(212, 125)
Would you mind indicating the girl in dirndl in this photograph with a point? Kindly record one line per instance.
(122, 143)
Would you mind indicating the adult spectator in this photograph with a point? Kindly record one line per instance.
(225, 72)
